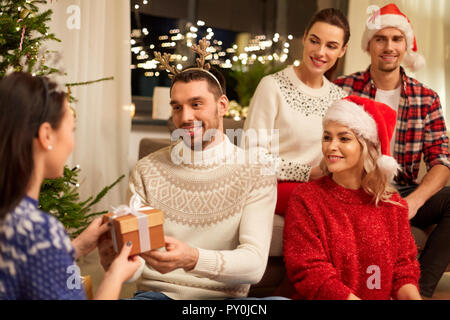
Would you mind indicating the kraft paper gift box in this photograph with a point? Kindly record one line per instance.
(143, 226)
(86, 280)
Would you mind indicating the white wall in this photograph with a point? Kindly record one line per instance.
(97, 47)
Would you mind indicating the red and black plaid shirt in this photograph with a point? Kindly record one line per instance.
(420, 124)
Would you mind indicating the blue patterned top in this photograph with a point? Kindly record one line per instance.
(37, 260)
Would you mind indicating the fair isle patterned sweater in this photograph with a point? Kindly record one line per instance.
(224, 209)
(37, 260)
(281, 101)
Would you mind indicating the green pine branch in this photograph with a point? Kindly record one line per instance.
(16, 16)
(74, 84)
(60, 198)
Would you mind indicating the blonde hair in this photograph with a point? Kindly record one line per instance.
(374, 182)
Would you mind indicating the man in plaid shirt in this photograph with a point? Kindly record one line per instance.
(420, 129)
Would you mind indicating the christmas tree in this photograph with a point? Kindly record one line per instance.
(23, 32)
(60, 198)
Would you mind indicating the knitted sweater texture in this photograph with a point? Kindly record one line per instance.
(337, 242)
(223, 208)
(37, 259)
(282, 102)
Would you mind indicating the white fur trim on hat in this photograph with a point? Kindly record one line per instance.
(389, 20)
(360, 121)
(353, 116)
(412, 60)
(388, 166)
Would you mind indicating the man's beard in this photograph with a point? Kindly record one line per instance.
(388, 70)
(208, 134)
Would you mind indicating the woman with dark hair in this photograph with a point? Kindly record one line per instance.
(347, 234)
(295, 99)
(37, 258)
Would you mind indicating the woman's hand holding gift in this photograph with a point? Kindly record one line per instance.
(88, 240)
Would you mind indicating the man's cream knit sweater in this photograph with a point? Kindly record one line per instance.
(223, 208)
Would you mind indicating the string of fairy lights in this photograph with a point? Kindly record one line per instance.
(261, 48)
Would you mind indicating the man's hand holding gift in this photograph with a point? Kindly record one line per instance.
(177, 255)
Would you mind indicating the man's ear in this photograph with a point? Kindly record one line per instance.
(45, 135)
(223, 105)
(368, 46)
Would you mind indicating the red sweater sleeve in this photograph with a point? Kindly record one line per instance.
(406, 269)
(308, 267)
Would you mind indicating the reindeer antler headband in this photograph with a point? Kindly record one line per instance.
(200, 49)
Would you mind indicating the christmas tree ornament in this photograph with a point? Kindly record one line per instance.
(19, 50)
(24, 13)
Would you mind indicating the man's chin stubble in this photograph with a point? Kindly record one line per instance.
(387, 70)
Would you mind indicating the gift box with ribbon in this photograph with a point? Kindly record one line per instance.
(143, 226)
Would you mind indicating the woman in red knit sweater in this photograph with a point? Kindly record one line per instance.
(347, 235)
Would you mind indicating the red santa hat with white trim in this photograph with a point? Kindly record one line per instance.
(374, 121)
(391, 16)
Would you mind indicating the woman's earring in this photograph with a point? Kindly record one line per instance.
(50, 148)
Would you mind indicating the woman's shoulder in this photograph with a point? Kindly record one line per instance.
(270, 80)
(395, 196)
(337, 92)
(396, 202)
(306, 200)
(396, 208)
(268, 89)
(284, 74)
(30, 230)
(311, 188)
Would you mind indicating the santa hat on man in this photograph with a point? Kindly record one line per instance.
(372, 120)
(391, 16)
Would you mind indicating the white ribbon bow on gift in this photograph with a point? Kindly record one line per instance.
(133, 208)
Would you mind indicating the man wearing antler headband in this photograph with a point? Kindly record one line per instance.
(198, 126)
(218, 213)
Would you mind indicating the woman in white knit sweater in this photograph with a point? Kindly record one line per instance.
(295, 99)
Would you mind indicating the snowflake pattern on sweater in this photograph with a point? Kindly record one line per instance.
(36, 256)
(300, 101)
(283, 102)
(306, 105)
